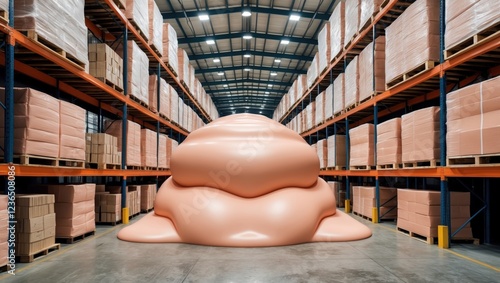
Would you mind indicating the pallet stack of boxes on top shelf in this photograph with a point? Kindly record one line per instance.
(4, 11)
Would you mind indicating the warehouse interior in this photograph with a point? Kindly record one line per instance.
(399, 100)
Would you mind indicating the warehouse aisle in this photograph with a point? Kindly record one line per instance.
(388, 256)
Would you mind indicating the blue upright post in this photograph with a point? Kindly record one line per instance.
(487, 216)
(347, 184)
(125, 211)
(376, 213)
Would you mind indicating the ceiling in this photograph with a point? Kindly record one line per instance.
(252, 74)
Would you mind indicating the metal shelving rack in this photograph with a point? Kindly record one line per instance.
(105, 18)
(458, 70)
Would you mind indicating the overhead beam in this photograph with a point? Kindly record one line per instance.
(258, 68)
(243, 81)
(203, 38)
(239, 9)
(254, 53)
(246, 89)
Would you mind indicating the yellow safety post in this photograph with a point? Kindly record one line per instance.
(125, 215)
(347, 206)
(443, 237)
(374, 215)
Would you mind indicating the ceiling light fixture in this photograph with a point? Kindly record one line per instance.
(247, 36)
(246, 13)
(247, 55)
(210, 41)
(277, 60)
(294, 17)
(270, 85)
(274, 74)
(203, 17)
(247, 69)
(267, 92)
(225, 85)
(285, 41)
(217, 60)
(220, 73)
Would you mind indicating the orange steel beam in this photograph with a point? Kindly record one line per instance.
(476, 172)
(43, 171)
(132, 29)
(98, 32)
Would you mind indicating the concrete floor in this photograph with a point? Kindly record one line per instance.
(388, 256)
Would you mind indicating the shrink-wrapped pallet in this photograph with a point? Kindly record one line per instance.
(174, 105)
(352, 13)
(183, 66)
(301, 85)
(367, 66)
(364, 201)
(389, 142)
(466, 18)
(72, 131)
(171, 146)
(148, 195)
(170, 47)
(324, 48)
(329, 102)
(338, 193)
(472, 119)
(337, 29)
(322, 151)
(4, 6)
(361, 145)
(148, 148)
(420, 135)
(61, 23)
(138, 71)
(311, 115)
(312, 72)
(336, 151)
(339, 94)
(137, 13)
(153, 93)
(133, 155)
(4, 225)
(320, 108)
(368, 9)
(36, 123)
(351, 83)
(191, 78)
(412, 39)
(155, 27)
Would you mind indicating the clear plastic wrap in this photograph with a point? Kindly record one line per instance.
(4, 5)
(137, 13)
(153, 93)
(352, 13)
(301, 85)
(465, 18)
(170, 47)
(191, 78)
(148, 148)
(337, 29)
(72, 131)
(36, 120)
(420, 135)
(361, 145)
(329, 102)
(322, 151)
(412, 39)
(389, 142)
(312, 72)
(336, 154)
(155, 26)
(324, 48)
(366, 67)
(352, 83)
(174, 105)
(183, 61)
(60, 22)
(138, 72)
(368, 9)
(320, 108)
(114, 128)
(338, 94)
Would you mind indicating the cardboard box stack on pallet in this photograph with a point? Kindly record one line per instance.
(107, 206)
(361, 146)
(137, 12)
(183, 61)
(351, 84)
(148, 148)
(174, 105)
(337, 29)
(4, 5)
(106, 64)
(367, 9)
(336, 151)
(148, 195)
(339, 94)
(320, 108)
(36, 117)
(36, 224)
(322, 151)
(329, 102)
(4, 232)
(162, 151)
(60, 23)
(102, 149)
(370, 69)
(170, 47)
(114, 128)
(351, 25)
(153, 95)
(324, 48)
(74, 207)
(338, 192)
(155, 22)
(389, 143)
(133, 197)
(312, 71)
(419, 212)
(364, 201)
(420, 136)
(472, 122)
(71, 131)
(138, 72)
(171, 146)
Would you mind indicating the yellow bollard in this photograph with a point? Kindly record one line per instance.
(443, 238)
(347, 206)
(125, 215)
(374, 215)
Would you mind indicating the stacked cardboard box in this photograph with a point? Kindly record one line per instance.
(420, 212)
(148, 148)
(364, 201)
(414, 32)
(472, 119)
(367, 65)
(183, 61)
(310, 115)
(352, 13)
(191, 78)
(4, 5)
(312, 72)
(102, 149)
(174, 105)
(171, 146)
(339, 94)
(336, 151)
(389, 142)
(420, 135)
(329, 102)
(114, 128)
(155, 27)
(301, 85)
(71, 131)
(324, 48)
(320, 108)
(106, 64)
(100, 190)
(322, 151)
(338, 193)
(148, 195)
(367, 9)
(62, 23)
(36, 120)
(463, 22)
(36, 224)
(110, 208)
(162, 151)
(75, 210)
(361, 145)
(138, 72)
(170, 47)
(337, 30)
(351, 83)
(4, 232)
(137, 13)
(134, 199)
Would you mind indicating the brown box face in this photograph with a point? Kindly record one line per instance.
(30, 237)
(31, 225)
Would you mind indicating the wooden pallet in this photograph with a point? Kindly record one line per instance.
(40, 40)
(133, 167)
(4, 17)
(134, 215)
(150, 168)
(418, 70)
(422, 164)
(474, 160)
(136, 26)
(147, 210)
(474, 241)
(425, 239)
(362, 167)
(487, 34)
(34, 256)
(163, 116)
(336, 168)
(388, 166)
(4, 268)
(71, 163)
(162, 169)
(136, 99)
(71, 240)
(109, 223)
(382, 6)
(35, 160)
(155, 50)
(362, 216)
(171, 69)
(111, 84)
(103, 166)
